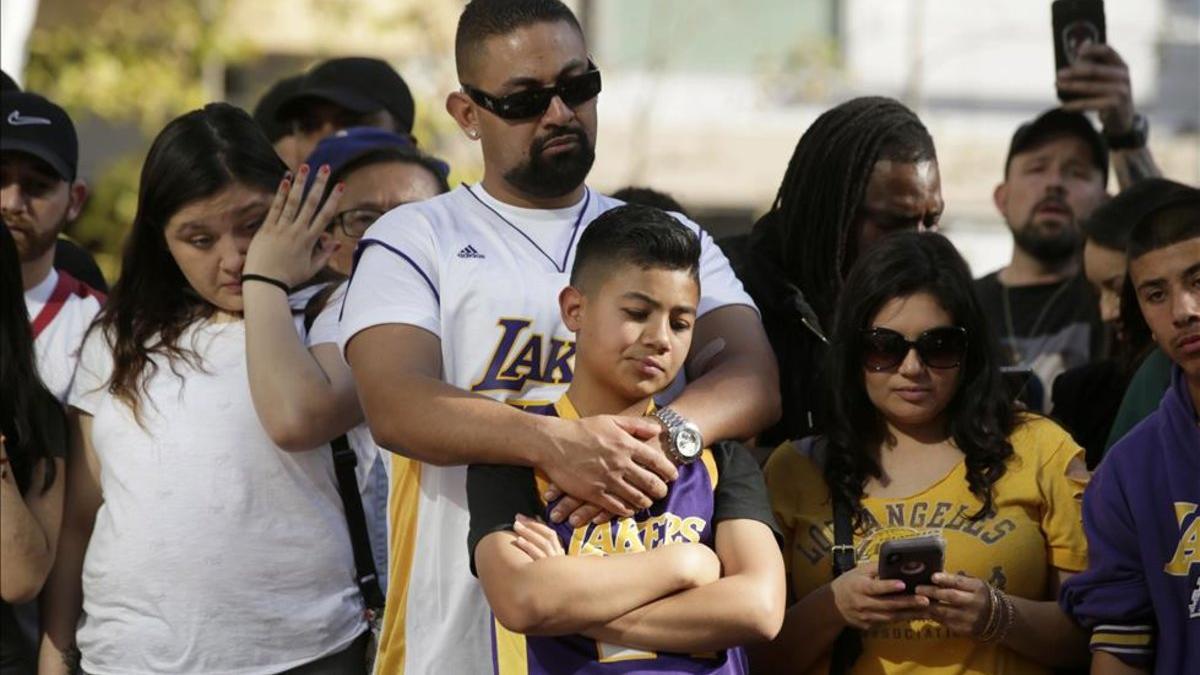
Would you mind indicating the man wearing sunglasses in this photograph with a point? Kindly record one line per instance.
(453, 307)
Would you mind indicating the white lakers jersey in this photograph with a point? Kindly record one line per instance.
(484, 277)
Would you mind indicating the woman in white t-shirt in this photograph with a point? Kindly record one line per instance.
(191, 542)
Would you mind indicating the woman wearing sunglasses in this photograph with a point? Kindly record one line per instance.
(922, 440)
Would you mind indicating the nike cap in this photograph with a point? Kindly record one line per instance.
(359, 84)
(7, 83)
(37, 127)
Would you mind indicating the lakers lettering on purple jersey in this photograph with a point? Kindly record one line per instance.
(723, 484)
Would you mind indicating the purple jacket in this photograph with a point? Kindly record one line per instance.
(1140, 595)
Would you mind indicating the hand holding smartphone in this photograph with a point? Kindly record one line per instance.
(1076, 24)
(913, 560)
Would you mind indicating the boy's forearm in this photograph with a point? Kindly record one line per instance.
(563, 595)
(732, 611)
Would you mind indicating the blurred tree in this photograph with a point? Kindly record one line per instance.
(137, 64)
(127, 62)
(140, 61)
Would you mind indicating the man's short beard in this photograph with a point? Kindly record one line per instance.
(1049, 247)
(546, 178)
(34, 244)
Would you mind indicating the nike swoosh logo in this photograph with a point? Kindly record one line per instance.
(15, 119)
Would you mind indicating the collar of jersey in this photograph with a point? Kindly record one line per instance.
(539, 214)
(566, 410)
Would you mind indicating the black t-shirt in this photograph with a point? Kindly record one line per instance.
(18, 625)
(1048, 328)
(496, 494)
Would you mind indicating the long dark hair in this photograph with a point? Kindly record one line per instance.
(20, 418)
(807, 233)
(194, 157)
(980, 415)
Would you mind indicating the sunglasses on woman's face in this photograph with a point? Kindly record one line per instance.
(573, 91)
(884, 349)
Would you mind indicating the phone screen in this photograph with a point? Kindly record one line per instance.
(1076, 24)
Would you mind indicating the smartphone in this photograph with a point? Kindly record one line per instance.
(913, 560)
(1076, 23)
(1017, 381)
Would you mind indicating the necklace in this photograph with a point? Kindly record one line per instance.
(1014, 354)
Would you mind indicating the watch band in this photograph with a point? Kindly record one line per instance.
(674, 426)
(1133, 139)
(669, 418)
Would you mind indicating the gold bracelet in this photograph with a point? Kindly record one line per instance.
(1010, 617)
(990, 627)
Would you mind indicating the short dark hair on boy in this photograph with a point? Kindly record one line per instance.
(482, 19)
(636, 235)
(1111, 223)
(1173, 222)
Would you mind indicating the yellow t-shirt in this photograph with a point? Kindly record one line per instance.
(1037, 527)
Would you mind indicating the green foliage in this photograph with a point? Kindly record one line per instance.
(140, 61)
(108, 214)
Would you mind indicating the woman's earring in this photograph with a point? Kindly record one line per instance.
(472, 134)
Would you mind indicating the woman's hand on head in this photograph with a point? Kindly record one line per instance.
(864, 600)
(291, 245)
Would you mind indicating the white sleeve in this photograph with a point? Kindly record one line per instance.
(395, 279)
(92, 374)
(719, 286)
(325, 327)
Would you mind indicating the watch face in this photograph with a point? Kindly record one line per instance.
(688, 443)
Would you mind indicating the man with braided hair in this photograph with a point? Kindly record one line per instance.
(864, 169)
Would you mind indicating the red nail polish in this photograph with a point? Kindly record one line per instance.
(340, 187)
(324, 169)
(303, 169)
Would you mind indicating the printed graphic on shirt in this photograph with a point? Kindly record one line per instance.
(1186, 561)
(522, 357)
(904, 520)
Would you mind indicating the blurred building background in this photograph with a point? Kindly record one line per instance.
(704, 99)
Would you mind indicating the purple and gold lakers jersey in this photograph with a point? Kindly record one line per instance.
(724, 484)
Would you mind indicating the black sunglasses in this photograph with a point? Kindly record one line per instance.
(943, 347)
(573, 91)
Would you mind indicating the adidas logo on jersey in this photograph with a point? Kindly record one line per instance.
(469, 251)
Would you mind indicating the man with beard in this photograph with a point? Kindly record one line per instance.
(1043, 311)
(452, 308)
(39, 195)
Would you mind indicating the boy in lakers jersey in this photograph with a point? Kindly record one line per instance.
(677, 587)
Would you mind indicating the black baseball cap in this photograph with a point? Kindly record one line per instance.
(266, 113)
(35, 126)
(7, 83)
(1057, 122)
(359, 84)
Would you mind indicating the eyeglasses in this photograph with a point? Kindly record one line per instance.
(354, 222)
(941, 348)
(573, 91)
